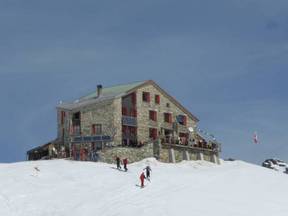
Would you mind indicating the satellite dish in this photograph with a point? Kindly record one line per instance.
(191, 129)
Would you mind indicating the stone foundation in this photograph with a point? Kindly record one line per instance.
(133, 154)
(162, 153)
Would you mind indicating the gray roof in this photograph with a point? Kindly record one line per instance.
(107, 93)
(110, 93)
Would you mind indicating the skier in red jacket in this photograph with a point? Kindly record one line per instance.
(142, 177)
(125, 162)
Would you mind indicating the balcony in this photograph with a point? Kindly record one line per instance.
(129, 121)
(206, 146)
(182, 128)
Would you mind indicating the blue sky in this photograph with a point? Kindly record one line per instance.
(225, 60)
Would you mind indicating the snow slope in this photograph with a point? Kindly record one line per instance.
(70, 188)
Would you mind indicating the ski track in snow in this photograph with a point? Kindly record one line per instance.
(70, 188)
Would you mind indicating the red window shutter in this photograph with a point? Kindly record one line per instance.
(135, 112)
(170, 118)
(148, 97)
(93, 129)
(153, 115)
(157, 99)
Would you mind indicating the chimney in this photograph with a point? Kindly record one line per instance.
(99, 90)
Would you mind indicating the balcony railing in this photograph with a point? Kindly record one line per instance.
(129, 121)
(210, 146)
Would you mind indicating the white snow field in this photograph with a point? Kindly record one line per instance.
(70, 188)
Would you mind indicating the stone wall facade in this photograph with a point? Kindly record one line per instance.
(143, 113)
(106, 113)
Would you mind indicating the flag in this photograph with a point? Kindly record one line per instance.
(255, 138)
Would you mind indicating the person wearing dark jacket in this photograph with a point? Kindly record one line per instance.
(118, 162)
(148, 170)
(125, 162)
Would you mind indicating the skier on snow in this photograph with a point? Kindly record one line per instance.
(125, 162)
(142, 177)
(148, 170)
(118, 162)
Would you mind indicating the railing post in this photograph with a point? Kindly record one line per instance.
(172, 155)
(186, 155)
(200, 156)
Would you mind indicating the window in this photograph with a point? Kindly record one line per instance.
(157, 99)
(153, 133)
(76, 123)
(168, 117)
(152, 115)
(182, 119)
(168, 105)
(146, 97)
(96, 129)
(76, 116)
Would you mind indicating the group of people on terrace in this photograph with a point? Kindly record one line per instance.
(197, 143)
